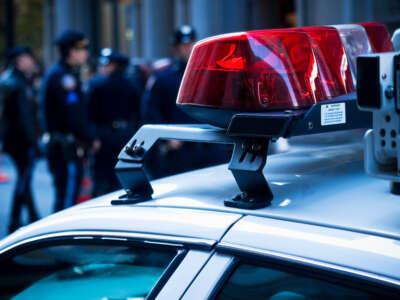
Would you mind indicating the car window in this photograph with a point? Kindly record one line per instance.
(259, 282)
(83, 272)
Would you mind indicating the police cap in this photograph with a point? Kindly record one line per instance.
(108, 55)
(14, 52)
(72, 39)
(184, 34)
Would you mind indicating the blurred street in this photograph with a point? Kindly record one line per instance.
(42, 189)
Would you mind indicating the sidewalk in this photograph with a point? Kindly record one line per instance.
(42, 189)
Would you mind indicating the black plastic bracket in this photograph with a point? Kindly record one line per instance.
(298, 122)
(247, 163)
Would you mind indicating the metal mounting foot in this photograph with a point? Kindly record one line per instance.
(395, 187)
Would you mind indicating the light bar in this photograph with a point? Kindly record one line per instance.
(379, 37)
(333, 63)
(254, 71)
(272, 70)
(355, 41)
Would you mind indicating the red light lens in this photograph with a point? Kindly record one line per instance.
(252, 71)
(379, 37)
(355, 42)
(268, 69)
(332, 60)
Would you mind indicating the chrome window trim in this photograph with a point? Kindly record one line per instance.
(166, 275)
(241, 249)
(211, 276)
(175, 241)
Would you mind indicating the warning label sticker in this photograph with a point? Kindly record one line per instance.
(332, 114)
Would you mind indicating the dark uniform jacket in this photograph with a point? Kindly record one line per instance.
(159, 101)
(111, 99)
(18, 112)
(114, 109)
(65, 109)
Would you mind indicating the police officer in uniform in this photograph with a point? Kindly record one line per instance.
(66, 118)
(159, 103)
(20, 132)
(114, 108)
(159, 107)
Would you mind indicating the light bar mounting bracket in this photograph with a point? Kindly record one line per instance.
(247, 163)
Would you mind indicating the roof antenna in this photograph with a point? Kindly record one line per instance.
(378, 91)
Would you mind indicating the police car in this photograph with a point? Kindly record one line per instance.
(306, 224)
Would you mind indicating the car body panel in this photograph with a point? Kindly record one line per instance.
(316, 185)
(184, 223)
(326, 213)
(361, 252)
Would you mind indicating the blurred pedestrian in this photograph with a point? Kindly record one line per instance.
(114, 108)
(159, 107)
(138, 72)
(159, 103)
(20, 127)
(66, 118)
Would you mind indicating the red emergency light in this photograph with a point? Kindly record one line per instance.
(355, 42)
(379, 37)
(271, 70)
(333, 62)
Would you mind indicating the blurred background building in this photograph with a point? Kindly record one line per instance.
(141, 28)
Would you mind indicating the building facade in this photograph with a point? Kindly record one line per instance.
(142, 28)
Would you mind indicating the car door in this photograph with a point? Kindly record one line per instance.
(261, 258)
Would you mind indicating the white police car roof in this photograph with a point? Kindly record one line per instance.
(325, 209)
(321, 185)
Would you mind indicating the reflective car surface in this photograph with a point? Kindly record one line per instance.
(331, 232)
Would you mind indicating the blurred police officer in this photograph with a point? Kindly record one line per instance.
(159, 106)
(159, 103)
(20, 134)
(114, 108)
(66, 121)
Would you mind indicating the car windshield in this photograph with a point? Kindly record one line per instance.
(83, 272)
